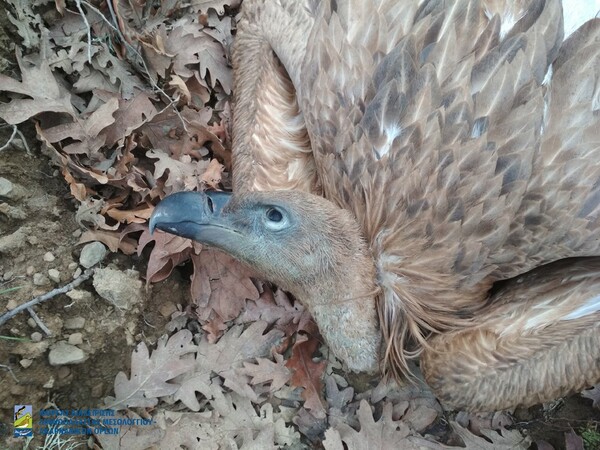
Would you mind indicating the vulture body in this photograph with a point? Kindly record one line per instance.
(425, 178)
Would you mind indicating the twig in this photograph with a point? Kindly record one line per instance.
(39, 322)
(12, 136)
(89, 30)
(2, 366)
(47, 296)
(155, 86)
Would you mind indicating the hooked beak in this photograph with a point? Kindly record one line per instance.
(196, 215)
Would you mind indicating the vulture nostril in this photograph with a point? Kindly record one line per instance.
(211, 206)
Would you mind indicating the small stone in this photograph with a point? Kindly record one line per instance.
(49, 257)
(121, 289)
(31, 322)
(30, 270)
(33, 240)
(54, 275)
(77, 273)
(62, 353)
(97, 390)
(76, 339)
(15, 241)
(74, 323)
(63, 372)
(25, 363)
(49, 384)
(92, 254)
(8, 275)
(36, 336)
(72, 266)
(18, 389)
(6, 187)
(39, 279)
(79, 294)
(77, 233)
(167, 309)
(11, 304)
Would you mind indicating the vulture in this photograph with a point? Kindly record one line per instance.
(424, 176)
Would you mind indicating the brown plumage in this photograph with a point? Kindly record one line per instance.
(448, 165)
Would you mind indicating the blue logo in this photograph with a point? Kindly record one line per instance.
(23, 421)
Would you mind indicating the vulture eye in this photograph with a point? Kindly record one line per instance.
(274, 215)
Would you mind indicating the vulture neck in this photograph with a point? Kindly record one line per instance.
(271, 142)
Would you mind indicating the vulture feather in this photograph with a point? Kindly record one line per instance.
(425, 177)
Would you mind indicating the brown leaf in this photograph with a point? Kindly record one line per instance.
(382, 434)
(267, 371)
(229, 282)
(114, 240)
(150, 373)
(593, 394)
(169, 251)
(224, 359)
(503, 440)
(39, 84)
(212, 174)
(308, 374)
(573, 442)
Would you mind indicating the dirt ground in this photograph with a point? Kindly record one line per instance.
(38, 234)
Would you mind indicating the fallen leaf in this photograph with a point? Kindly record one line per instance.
(308, 374)
(150, 374)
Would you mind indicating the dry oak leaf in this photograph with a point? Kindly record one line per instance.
(213, 173)
(39, 84)
(382, 434)
(150, 374)
(236, 423)
(267, 371)
(503, 440)
(169, 251)
(183, 174)
(308, 374)
(131, 437)
(223, 359)
(217, 5)
(276, 307)
(220, 284)
(593, 394)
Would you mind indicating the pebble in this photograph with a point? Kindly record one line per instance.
(49, 257)
(97, 390)
(31, 322)
(30, 270)
(72, 266)
(77, 273)
(92, 254)
(79, 294)
(6, 187)
(49, 384)
(8, 275)
(63, 372)
(39, 279)
(36, 336)
(33, 240)
(123, 290)
(77, 233)
(76, 339)
(25, 363)
(63, 353)
(54, 275)
(74, 323)
(11, 304)
(167, 309)
(18, 389)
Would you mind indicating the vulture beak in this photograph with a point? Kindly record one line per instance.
(198, 216)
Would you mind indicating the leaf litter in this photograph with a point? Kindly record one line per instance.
(132, 104)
